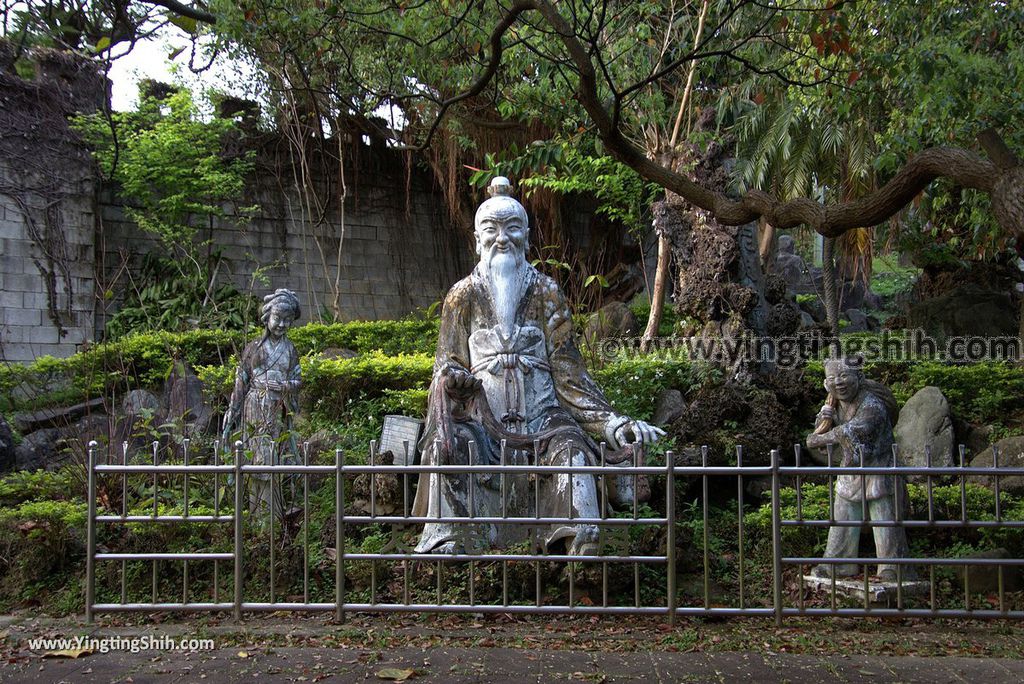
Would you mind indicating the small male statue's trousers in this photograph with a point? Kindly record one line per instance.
(844, 541)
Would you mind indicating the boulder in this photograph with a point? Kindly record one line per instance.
(791, 269)
(39, 449)
(186, 403)
(815, 308)
(669, 408)
(807, 321)
(925, 423)
(789, 265)
(138, 403)
(1011, 455)
(966, 310)
(985, 578)
(612, 320)
(7, 457)
(858, 321)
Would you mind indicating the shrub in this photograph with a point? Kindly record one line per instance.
(330, 386)
(40, 485)
(145, 360)
(632, 385)
(980, 392)
(408, 336)
(39, 539)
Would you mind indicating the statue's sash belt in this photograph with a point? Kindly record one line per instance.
(507, 363)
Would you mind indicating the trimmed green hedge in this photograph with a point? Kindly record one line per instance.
(145, 360)
(407, 336)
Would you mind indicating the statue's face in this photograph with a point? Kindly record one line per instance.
(501, 235)
(280, 320)
(842, 381)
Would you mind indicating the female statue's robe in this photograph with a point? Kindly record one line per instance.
(534, 380)
(266, 414)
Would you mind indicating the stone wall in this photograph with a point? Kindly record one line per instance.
(47, 190)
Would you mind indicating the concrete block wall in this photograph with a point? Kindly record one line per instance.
(30, 324)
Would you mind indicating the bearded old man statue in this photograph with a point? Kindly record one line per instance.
(507, 338)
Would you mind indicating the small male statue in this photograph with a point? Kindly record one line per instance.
(858, 417)
(507, 338)
(265, 397)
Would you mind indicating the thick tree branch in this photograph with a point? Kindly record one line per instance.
(185, 10)
(964, 167)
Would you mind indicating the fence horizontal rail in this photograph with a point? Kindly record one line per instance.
(941, 524)
(162, 607)
(164, 518)
(495, 520)
(163, 556)
(934, 471)
(992, 562)
(192, 469)
(502, 557)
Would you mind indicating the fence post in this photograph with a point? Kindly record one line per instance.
(238, 531)
(776, 541)
(670, 542)
(90, 535)
(339, 536)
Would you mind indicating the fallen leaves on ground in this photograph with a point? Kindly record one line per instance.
(395, 674)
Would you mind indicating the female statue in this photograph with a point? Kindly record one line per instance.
(265, 397)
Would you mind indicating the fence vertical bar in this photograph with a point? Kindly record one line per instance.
(305, 524)
(238, 531)
(704, 507)
(670, 542)
(90, 559)
(776, 541)
(339, 536)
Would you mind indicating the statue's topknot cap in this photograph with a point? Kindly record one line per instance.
(500, 186)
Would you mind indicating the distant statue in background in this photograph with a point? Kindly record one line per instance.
(858, 417)
(265, 397)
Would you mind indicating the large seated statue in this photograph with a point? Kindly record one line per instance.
(507, 366)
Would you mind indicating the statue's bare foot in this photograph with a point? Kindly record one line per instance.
(585, 543)
(826, 570)
(447, 547)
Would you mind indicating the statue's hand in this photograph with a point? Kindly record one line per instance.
(461, 384)
(826, 413)
(637, 432)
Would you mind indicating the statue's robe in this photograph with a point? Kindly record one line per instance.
(266, 415)
(863, 431)
(534, 380)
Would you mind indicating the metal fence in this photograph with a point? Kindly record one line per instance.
(391, 577)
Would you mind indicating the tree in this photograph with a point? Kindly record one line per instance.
(451, 70)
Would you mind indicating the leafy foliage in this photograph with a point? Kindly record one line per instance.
(171, 299)
(176, 175)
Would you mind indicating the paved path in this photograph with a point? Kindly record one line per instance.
(497, 664)
(271, 651)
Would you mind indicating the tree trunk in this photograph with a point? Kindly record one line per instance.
(828, 282)
(658, 294)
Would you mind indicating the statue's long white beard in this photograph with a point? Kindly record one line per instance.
(506, 274)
